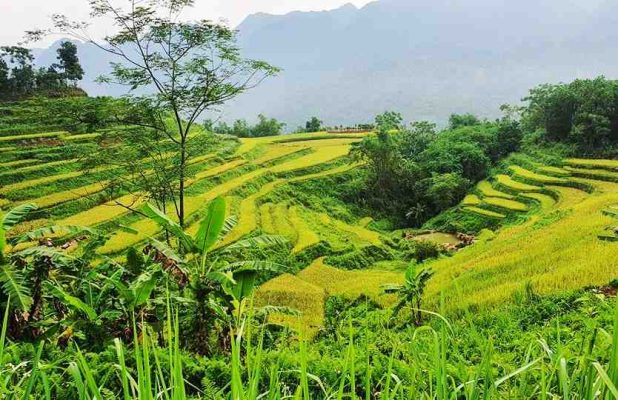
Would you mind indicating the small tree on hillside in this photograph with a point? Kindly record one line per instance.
(267, 127)
(20, 72)
(69, 63)
(460, 120)
(181, 69)
(313, 125)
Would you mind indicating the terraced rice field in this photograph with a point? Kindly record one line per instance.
(536, 177)
(561, 222)
(269, 157)
(307, 291)
(556, 249)
(486, 189)
(256, 169)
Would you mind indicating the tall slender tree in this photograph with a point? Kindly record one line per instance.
(174, 70)
(68, 62)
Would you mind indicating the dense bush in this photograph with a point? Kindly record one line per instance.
(583, 113)
(241, 128)
(413, 173)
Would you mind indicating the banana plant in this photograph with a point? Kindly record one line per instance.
(38, 279)
(220, 288)
(410, 293)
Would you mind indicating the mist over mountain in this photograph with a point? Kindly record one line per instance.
(424, 58)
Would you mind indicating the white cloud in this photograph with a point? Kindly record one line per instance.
(17, 16)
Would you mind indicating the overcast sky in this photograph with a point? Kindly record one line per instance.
(17, 16)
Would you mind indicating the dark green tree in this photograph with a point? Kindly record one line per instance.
(459, 120)
(313, 125)
(22, 80)
(388, 121)
(68, 62)
(267, 127)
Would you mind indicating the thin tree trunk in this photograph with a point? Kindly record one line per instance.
(181, 189)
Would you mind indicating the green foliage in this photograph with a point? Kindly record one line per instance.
(361, 258)
(69, 63)
(20, 79)
(313, 125)
(388, 121)
(241, 128)
(460, 120)
(415, 174)
(410, 294)
(581, 113)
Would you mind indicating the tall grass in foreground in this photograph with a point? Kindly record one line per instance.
(157, 372)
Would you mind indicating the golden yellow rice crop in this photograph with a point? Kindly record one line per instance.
(30, 136)
(544, 200)
(471, 200)
(350, 284)
(289, 291)
(533, 176)
(84, 136)
(39, 167)
(320, 156)
(483, 212)
(508, 182)
(39, 181)
(363, 234)
(104, 212)
(507, 204)
(248, 213)
(487, 190)
(602, 174)
(553, 170)
(365, 221)
(214, 171)
(68, 195)
(306, 236)
(17, 163)
(561, 255)
(282, 224)
(274, 152)
(266, 218)
(325, 173)
(307, 291)
(591, 163)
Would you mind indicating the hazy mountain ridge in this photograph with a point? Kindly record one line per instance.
(424, 58)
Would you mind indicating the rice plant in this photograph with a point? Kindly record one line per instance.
(536, 177)
(483, 212)
(509, 183)
(506, 204)
(471, 200)
(592, 163)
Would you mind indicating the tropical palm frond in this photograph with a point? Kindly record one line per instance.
(230, 223)
(50, 231)
(144, 285)
(258, 241)
(167, 223)
(166, 250)
(255, 266)
(222, 278)
(71, 301)
(15, 215)
(269, 310)
(43, 251)
(14, 285)
(211, 225)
